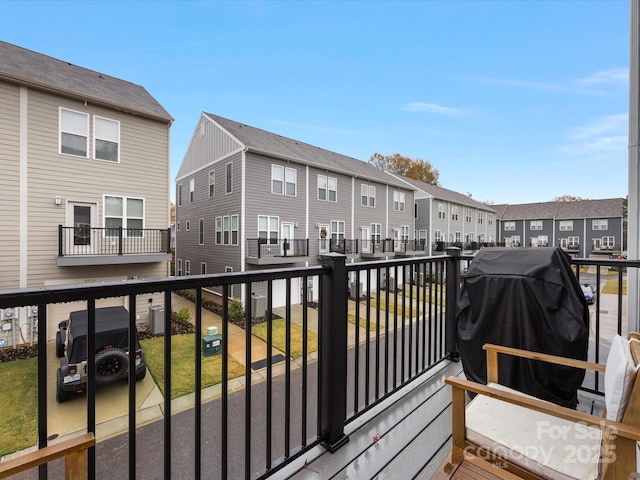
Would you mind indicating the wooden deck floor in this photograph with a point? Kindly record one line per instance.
(406, 437)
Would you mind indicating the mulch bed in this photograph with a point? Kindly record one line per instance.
(25, 352)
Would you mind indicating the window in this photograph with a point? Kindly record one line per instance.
(74, 132)
(608, 242)
(337, 230)
(480, 218)
(203, 268)
(229, 177)
(226, 229)
(602, 224)
(179, 270)
(283, 180)
(376, 232)
(535, 225)
(509, 226)
(234, 229)
(327, 188)
(268, 228)
(573, 241)
(368, 195)
(442, 211)
(467, 215)
(566, 225)
(106, 139)
(126, 213)
(515, 241)
(490, 218)
(543, 240)
(188, 226)
(415, 210)
(404, 233)
(187, 267)
(454, 213)
(458, 237)
(201, 231)
(218, 230)
(178, 226)
(212, 184)
(180, 194)
(192, 188)
(398, 201)
(437, 235)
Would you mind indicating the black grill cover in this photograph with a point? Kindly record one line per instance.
(526, 298)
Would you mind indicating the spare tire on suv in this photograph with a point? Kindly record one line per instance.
(111, 351)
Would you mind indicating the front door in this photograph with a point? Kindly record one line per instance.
(366, 239)
(323, 240)
(81, 238)
(286, 237)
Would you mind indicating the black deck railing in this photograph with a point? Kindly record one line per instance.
(406, 326)
(274, 248)
(89, 241)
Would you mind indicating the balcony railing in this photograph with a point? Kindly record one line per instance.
(92, 241)
(253, 428)
(345, 246)
(278, 248)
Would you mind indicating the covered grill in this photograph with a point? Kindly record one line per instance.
(526, 298)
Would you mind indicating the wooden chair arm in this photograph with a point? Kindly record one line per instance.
(538, 405)
(493, 351)
(68, 448)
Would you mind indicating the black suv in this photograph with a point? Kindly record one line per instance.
(111, 351)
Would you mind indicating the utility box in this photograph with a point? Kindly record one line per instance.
(258, 306)
(211, 344)
(156, 319)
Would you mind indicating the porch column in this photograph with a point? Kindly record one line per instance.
(633, 242)
(453, 286)
(333, 352)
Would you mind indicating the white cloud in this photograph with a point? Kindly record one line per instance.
(613, 75)
(607, 135)
(434, 108)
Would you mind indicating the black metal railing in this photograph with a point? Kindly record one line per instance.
(404, 324)
(386, 245)
(345, 246)
(274, 248)
(85, 240)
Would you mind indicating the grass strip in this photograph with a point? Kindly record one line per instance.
(279, 336)
(19, 426)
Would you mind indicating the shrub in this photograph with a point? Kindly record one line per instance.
(236, 312)
(182, 316)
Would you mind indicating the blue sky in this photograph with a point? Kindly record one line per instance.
(512, 101)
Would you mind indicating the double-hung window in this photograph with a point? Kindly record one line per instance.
(268, 229)
(600, 224)
(212, 184)
(368, 195)
(480, 218)
(123, 212)
(74, 133)
(283, 180)
(229, 177)
(227, 230)
(566, 225)
(509, 226)
(192, 190)
(327, 188)
(490, 218)
(376, 232)
(337, 230)
(404, 233)
(106, 139)
(454, 213)
(467, 215)
(398, 201)
(535, 225)
(442, 211)
(218, 230)
(201, 231)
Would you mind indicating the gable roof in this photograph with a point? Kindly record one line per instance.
(274, 145)
(606, 208)
(25, 67)
(440, 193)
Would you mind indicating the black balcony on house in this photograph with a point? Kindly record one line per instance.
(357, 396)
(85, 245)
(348, 247)
(275, 251)
(377, 248)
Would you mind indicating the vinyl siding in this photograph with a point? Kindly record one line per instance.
(9, 185)
(142, 173)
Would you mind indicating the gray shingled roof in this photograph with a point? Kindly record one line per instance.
(441, 193)
(606, 208)
(263, 142)
(25, 67)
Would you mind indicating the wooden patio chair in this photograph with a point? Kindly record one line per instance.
(503, 433)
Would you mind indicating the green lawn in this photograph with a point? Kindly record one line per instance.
(183, 364)
(19, 426)
(611, 286)
(278, 336)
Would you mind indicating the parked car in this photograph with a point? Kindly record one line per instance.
(589, 293)
(111, 351)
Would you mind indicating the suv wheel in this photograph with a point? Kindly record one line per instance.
(61, 395)
(59, 345)
(111, 365)
(141, 374)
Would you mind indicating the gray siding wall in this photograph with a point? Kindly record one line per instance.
(217, 257)
(143, 172)
(9, 185)
(424, 215)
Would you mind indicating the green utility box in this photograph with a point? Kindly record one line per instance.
(211, 344)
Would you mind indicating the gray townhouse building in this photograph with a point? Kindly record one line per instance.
(444, 217)
(84, 184)
(250, 199)
(583, 228)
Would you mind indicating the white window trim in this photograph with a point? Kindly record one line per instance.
(201, 231)
(192, 190)
(187, 267)
(95, 138)
(124, 217)
(60, 132)
(228, 178)
(212, 173)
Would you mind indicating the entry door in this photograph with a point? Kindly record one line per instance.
(366, 240)
(323, 239)
(81, 239)
(286, 235)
